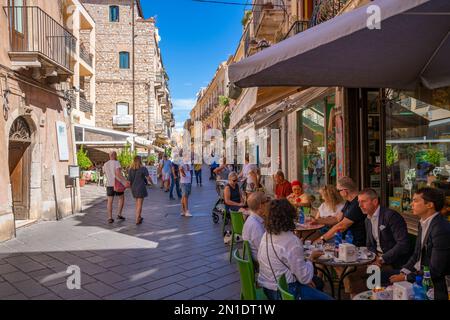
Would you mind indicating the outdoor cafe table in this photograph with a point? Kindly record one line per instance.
(307, 228)
(325, 265)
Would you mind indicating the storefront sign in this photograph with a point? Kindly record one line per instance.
(63, 147)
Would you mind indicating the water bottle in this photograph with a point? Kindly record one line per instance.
(337, 242)
(427, 283)
(301, 216)
(419, 292)
(349, 237)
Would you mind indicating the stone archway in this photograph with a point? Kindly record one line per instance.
(19, 159)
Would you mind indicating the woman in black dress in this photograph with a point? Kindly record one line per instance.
(139, 178)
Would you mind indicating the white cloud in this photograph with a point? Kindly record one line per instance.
(183, 104)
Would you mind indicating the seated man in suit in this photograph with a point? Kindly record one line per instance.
(386, 232)
(432, 244)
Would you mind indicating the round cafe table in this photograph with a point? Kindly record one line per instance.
(307, 228)
(325, 265)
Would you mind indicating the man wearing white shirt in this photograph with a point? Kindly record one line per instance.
(432, 244)
(254, 225)
(387, 233)
(113, 172)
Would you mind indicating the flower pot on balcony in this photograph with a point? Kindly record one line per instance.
(82, 183)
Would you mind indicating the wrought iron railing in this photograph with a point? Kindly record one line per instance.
(86, 56)
(86, 106)
(33, 30)
(297, 27)
(325, 10)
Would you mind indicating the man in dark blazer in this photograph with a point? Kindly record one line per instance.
(433, 242)
(386, 231)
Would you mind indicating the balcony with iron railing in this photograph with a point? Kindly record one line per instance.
(86, 106)
(297, 27)
(86, 56)
(325, 10)
(158, 80)
(39, 41)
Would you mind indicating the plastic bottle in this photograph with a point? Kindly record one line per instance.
(419, 292)
(427, 283)
(349, 237)
(337, 242)
(301, 216)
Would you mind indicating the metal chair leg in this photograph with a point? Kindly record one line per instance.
(232, 244)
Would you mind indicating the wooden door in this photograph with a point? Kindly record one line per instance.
(19, 169)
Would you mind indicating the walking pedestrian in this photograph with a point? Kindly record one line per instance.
(139, 177)
(198, 174)
(166, 167)
(114, 177)
(311, 168)
(175, 181)
(185, 179)
(319, 169)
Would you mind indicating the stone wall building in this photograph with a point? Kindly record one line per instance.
(212, 104)
(36, 142)
(131, 85)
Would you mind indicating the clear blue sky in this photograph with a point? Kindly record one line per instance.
(196, 38)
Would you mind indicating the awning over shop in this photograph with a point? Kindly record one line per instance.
(411, 48)
(266, 116)
(107, 138)
(257, 98)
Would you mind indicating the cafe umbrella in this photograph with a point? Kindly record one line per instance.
(411, 48)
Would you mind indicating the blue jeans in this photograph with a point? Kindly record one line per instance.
(198, 176)
(174, 182)
(300, 292)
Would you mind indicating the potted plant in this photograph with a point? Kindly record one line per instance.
(126, 157)
(84, 163)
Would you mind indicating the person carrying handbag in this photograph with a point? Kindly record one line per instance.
(115, 185)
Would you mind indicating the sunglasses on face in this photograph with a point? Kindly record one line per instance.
(339, 190)
(234, 180)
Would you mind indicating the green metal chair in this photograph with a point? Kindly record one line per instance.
(237, 225)
(284, 289)
(247, 276)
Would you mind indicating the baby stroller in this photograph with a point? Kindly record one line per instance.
(219, 208)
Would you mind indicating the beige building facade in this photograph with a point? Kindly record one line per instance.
(37, 66)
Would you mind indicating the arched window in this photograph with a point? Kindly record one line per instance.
(114, 13)
(122, 108)
(124, 58)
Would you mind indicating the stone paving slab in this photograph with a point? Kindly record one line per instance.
(167, 257)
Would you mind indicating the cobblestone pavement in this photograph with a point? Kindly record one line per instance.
(167, 257)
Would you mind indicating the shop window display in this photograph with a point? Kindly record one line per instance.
(417, 147)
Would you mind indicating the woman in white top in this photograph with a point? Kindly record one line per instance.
(330, 211)
(281, 252)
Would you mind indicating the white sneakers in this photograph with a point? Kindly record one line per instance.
(187, 214)
(227, 238)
